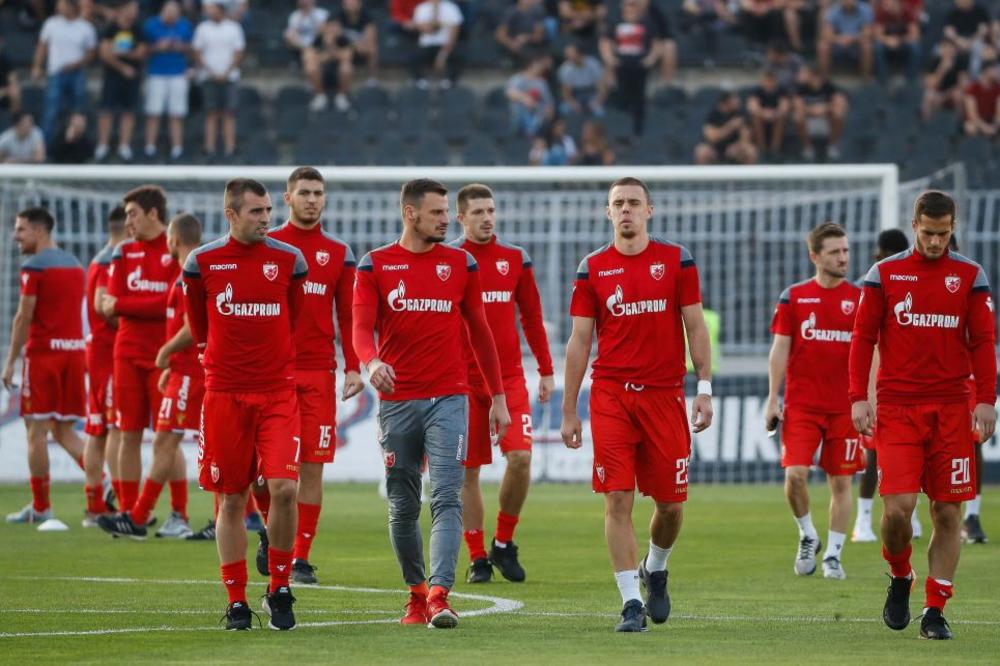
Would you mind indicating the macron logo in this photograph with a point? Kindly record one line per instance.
(396, 267)
(613, 271)
(903, 278)
(222, 267)
(58, 344)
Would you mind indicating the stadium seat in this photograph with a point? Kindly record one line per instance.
(458, 98)
(312, 150)
(516, 151)
(294, 96)
(411, 98)
(349, 150)
(33, 100)
(371, 123)
(391, 150)
(431, 150)
(670, 97)
(371, 98)
(260, 151)
(480, 151)
(455, 124)
(290, 122)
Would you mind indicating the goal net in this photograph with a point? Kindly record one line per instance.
(745, 226)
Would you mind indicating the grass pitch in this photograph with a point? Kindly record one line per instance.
(80, 596)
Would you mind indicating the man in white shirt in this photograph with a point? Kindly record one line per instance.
(438, 22)
(218, 48)
(23, 142)
(303, 35)
(66, 45)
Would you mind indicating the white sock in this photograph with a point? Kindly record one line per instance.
(656, 560)
(806, 527)
(628, 584)
(834, 544)
(499, 544)
(972, 506)
(865, 508)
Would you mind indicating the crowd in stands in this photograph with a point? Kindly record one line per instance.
(572, 67)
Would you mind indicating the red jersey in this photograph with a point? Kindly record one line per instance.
(55, 278)
(420, 304)
(508, 285)
(636, 301)
(140, 276)
(241, 302)
(819, 321)
(102, 334)
(930, 318)
(331, 278)
(986, 97)
(184, 362)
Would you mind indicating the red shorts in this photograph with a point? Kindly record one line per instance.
(180, 408)
(100, 408)
(641, 438)
(803, 430)
(518, 435)
(54, 386)
(867, 443)
(136, 394)
(926, 447)
(316, 391)
(246, 435)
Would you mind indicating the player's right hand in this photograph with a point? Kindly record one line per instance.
(163, 359)
(8, 376)
(382, 376)
(772, 414)
(572, 430)
(162, 383)
(863, 416)
(984, 420)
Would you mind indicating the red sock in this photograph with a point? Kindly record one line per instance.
(130, 493)
(146, 503)
(263, 503)
(79, 461)
(116, 485)
(308, 519)
(215, 506)
(899, 563)
(420, 590)
(937, 594)
(40, 493)
(251, 506)
(279, 564)
(234, 577)
(505, 527)
(474, 542)
(95, 499)
(179, 497)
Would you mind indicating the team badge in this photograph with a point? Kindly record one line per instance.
(847, 307)
(657, 270)
(165, 259)
(952, 283)
(443, 271)
(389, 457)
(215, 473)
(503, 266)
(599, 470)
(270, 271)
(322, 257)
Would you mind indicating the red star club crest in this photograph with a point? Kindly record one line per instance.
(503, 266)
(322, 257)
(952, 283)
(270, 271)
(657, 270)
(847, 307)
(443, 271)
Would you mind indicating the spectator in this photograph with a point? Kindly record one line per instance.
(583, 83)
(708, 18)
(352, 34)
(847, 34)
(554, 147)
(943, 85)
(531, 102)
(22, 143)
(303, 37)
(819, 109)
(763, 21)
(581, 18)
(168, 41)
(982, 102)
(66, 46)
(629, 49)
(897, 36)
(72, 145)
(122, 50)
(594, 147)
(218, 48)
(401, 21)
(438, 22)
(10, 89)
(666, 46)
(768, 107)
(783, 63)
(967, 25)
(522, 30)
(726, 134)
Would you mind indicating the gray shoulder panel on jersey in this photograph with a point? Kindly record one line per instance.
(348, 252)
(53, 257)
(786, 295)
(191, 268)
(118, 252)
(366, 263)
(899, 256)
(103, 258)
(583, 270)
(525, 258)
(470, 262)
(301, 268)
(873, 278)
(686, 258)
(981, 283)
(457, 243)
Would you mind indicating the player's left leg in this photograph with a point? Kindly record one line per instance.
(310, 501)
(841, 457)
(177, 524)
(867, 485)
(840, 519)
(473, 517)
(801, 434)
(513, 492)
(40, 508)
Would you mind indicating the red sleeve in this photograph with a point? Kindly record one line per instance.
(344, 296)
(195, 307)
(689, 286)
(364, 311)
(480, 335)
(102, 278)
(982, 333)
(530, 306)
(781, 323)
(29, 281)
(867, 324)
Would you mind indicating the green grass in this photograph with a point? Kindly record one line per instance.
(735, 598)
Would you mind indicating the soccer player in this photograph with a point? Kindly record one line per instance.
(102, 440)
(182, 383)
(139, 278)
(931, 313)
(420, 295)
(508, 285)
(244, 291)
(812, 339)
(331, 278)
(49, 327)
(642, 294)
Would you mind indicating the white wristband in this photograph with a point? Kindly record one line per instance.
(704, 387)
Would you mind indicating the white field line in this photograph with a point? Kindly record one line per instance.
(750, 618)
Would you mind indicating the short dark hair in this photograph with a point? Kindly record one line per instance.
(890, 242)
(819, 234)
(934, 203)
(473, 191)
(38, 216)
(237, 188)
(304, 173)
(149, 197)
(116, 219)
(188, 229)
(629, 180)
(413, 191)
